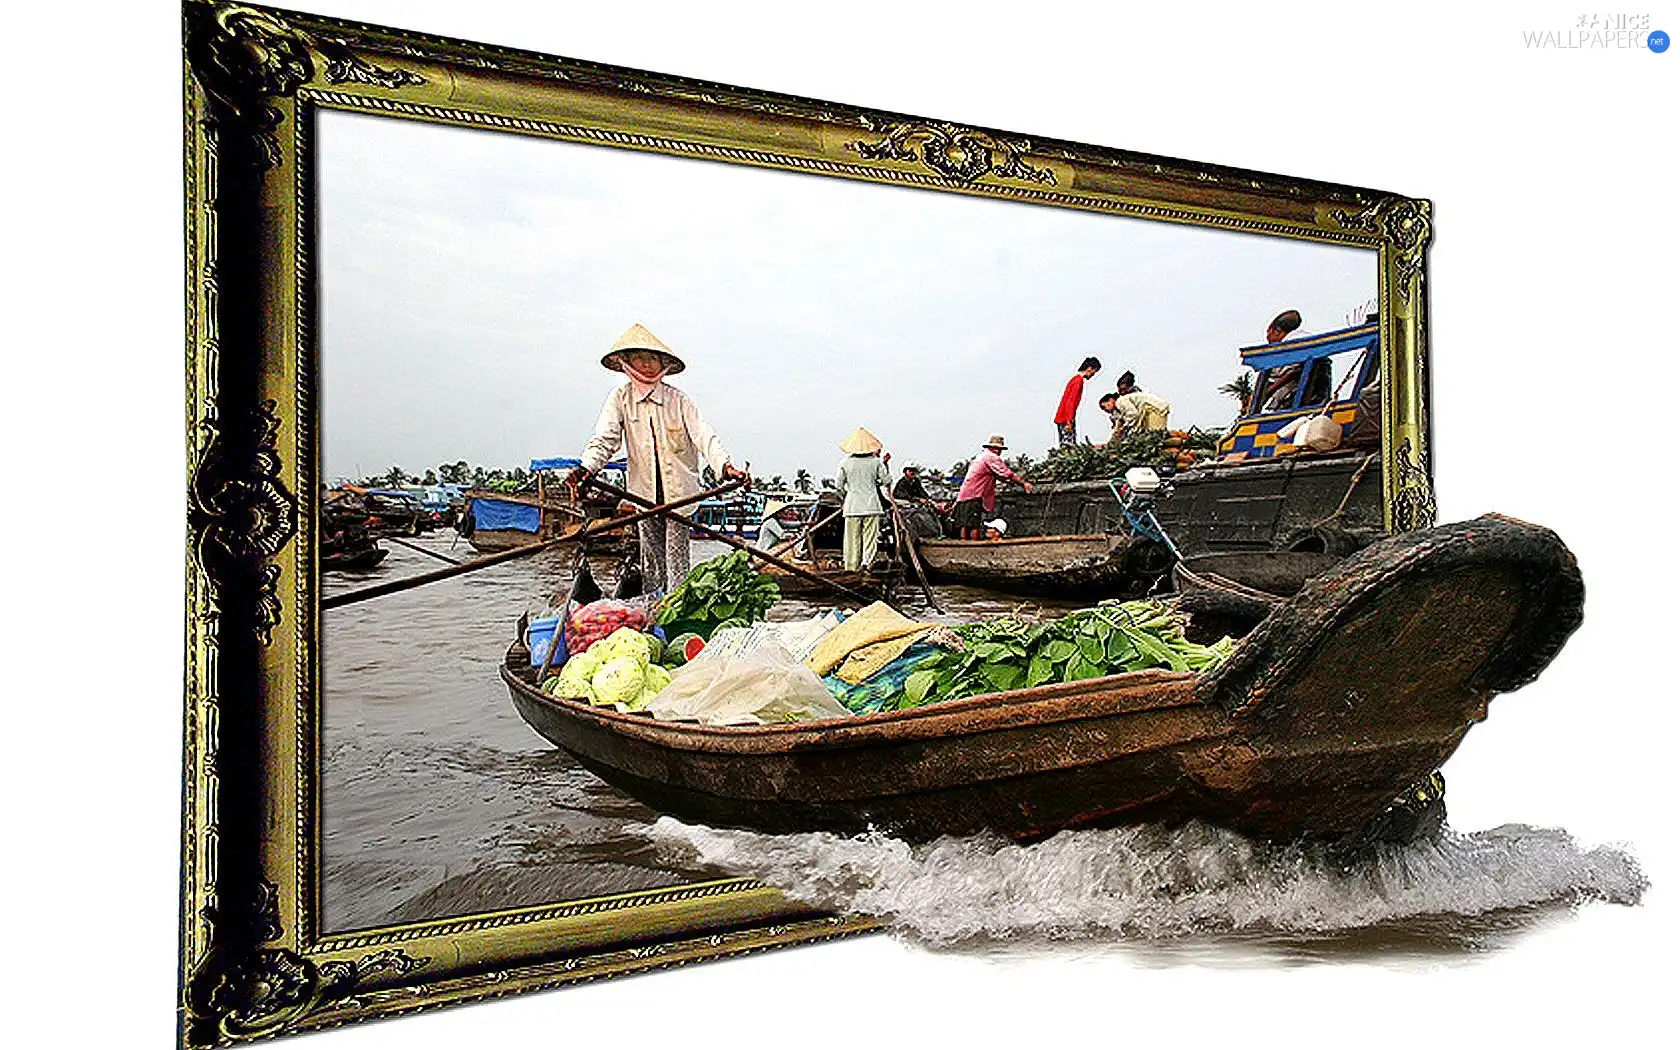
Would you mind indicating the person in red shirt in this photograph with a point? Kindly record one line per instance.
(1066, 412)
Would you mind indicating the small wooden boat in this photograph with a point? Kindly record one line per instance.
(1244, 586)
(872, 585)
(358, 560)
(1097, 564)
(1347, 697)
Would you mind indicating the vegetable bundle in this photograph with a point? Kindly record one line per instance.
(1010, 653)
(722, 592)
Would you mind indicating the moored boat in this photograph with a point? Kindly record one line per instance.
(1096, 564)
(870, 585)
(358, 560)
(494, 520)
(1345, 698)
(1231, 592)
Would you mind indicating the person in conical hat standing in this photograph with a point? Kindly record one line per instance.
(859, 480)
(664, 440)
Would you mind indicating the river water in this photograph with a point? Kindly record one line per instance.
(439, 801)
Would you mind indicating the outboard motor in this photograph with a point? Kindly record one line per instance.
(1137, 495)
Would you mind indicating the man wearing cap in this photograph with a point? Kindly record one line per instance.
(909, 488)
(664, 440)
(859, 481)
(978, 496)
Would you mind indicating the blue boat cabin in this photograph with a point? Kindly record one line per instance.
(1298, 378)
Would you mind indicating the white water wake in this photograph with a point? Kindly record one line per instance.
(1157, 883)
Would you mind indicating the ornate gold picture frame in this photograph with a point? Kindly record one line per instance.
(255, 958)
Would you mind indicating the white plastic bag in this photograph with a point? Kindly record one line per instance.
(1320, 433)
(756, 686)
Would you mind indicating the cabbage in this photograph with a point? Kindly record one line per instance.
(574, 678)
(626, 641)
(654, 679)
(619, 681)
(657, 678)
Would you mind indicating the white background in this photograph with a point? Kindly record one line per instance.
(1552, 284)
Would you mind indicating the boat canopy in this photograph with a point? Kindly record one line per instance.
(1256, 433)
(569, 463)
(494, 514)
(1290, 352)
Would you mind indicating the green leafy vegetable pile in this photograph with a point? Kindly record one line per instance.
(722, 592)
(1011, 653)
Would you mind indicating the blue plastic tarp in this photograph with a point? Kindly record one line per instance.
(567, 463)
(496, 514)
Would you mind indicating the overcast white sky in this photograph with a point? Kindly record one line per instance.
(472, 280)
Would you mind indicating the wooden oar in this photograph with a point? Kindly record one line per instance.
(580, 566)
(909, 544)
(738, 544)
(422, 550)
(809, 530)
(380, 589)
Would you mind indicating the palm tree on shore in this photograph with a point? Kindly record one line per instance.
(1241, 388)
(802, 480)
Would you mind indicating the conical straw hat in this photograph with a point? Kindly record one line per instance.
(639, 338)
(861, 443)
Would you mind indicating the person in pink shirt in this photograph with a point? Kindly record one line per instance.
(977, 499)
(1066, 412)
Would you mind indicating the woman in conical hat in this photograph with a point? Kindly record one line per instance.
(859, 480)
(664, 440)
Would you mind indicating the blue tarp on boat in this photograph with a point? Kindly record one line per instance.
(567, 463)
(496, 514)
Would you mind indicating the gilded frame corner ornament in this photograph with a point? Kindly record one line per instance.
(254, 961)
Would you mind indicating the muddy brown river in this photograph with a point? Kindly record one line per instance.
(439, 799)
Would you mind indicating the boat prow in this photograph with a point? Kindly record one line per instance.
(1346, 697)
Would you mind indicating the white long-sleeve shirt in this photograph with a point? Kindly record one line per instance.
(858, 479)
(663, 437)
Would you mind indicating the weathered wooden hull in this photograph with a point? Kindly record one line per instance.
(1229, 593)
(1331, 503)
(872, 585)
(353, 561)
(489, 541)
(1342, 700)
(1278, 573)
(1090, 565)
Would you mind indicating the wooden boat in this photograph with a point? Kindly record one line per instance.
(872, 585)
(521, 519)
(1099, 564)
(359, 560)
(1330, 503)
(1229, 593)
(1345, 698)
